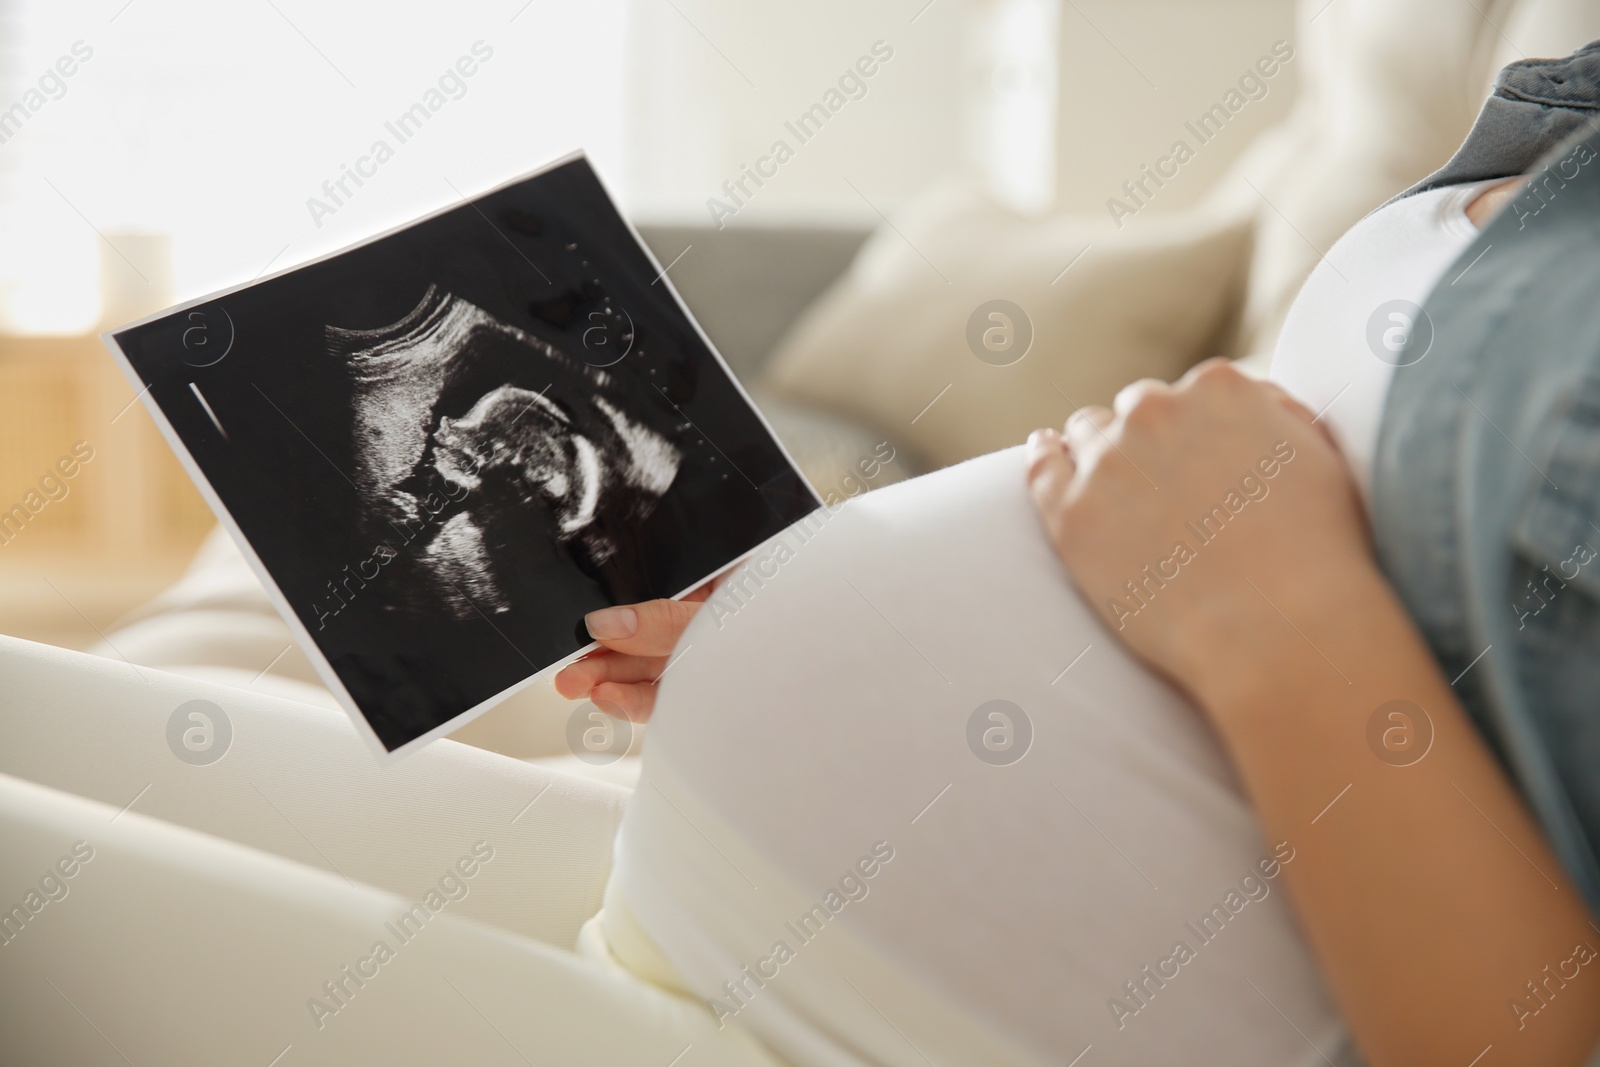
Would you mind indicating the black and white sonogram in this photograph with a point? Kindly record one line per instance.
(448, 444)
(539, 443)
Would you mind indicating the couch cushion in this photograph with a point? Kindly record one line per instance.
(899, 341)
(167, 946)
(298, 781)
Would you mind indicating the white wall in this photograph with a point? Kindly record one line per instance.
(1044, 102)
(214, 124)
(712, 82)
(1133, 71)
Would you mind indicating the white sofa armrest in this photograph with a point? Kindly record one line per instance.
(298, 781)
(171, 947)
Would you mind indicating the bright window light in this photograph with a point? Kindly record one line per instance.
(218, 125)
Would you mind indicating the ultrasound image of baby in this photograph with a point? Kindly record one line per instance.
(474, 438)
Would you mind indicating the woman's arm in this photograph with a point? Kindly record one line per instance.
(1428, 894)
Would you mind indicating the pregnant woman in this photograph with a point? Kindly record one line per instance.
(1243, 722)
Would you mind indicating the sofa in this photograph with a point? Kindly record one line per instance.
(204, 914)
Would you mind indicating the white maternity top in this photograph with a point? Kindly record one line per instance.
(1348, 327)
(905, 801)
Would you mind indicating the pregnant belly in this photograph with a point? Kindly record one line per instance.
(904, 796)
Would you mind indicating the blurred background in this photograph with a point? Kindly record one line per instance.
(179, 156)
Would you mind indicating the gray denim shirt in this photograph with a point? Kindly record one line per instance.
(1486, 485)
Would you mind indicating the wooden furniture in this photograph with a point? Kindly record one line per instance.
(116, 531)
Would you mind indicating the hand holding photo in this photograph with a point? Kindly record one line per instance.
(440, 448)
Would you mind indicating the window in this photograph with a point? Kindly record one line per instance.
(197, 145)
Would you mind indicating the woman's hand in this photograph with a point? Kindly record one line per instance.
(1192, 513)
(1427, 890)
(637, 641)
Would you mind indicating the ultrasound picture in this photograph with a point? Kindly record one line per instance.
(514, 454)
(444, 446)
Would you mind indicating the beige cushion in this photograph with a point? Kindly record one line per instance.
(1149, 299)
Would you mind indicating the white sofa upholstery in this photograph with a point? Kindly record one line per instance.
(1387, 90)
(217, 623)
(218, 899)
(298, 782)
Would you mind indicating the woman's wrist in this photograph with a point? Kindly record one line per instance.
(1281, 634)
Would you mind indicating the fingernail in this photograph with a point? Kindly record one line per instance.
(608, 708)
(611, 624)
(1034, 438)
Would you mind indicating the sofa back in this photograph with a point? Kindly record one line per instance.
(1388, 89)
